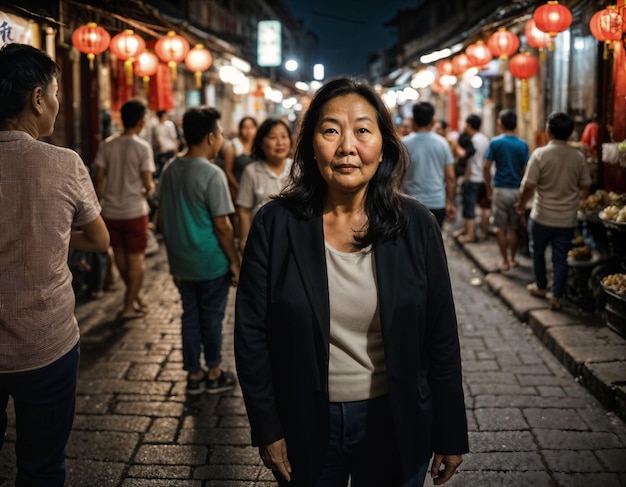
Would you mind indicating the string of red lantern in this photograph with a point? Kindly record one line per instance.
(606, 26)
(552, 18)
(524, 66)
(479, 54)
(91, 39)
(146, 65)
(503, 43)
(172, 49)
(198, 60)
(127, 46)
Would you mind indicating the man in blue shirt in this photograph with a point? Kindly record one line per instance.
(195, 203)
(430, 176)
(509, 155)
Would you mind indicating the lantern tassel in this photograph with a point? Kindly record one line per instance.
(172, 66)
(524, 95)
(128, 71)
(198, 75)
(146, 85)
(91, 56)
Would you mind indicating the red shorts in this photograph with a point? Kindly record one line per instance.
(129, 235)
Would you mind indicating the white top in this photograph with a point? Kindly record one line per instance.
(258, 183)
(124, 158)
(166, 136)
(357, 367)
(481, 143)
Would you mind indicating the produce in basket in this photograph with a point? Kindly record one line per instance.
(615, 282)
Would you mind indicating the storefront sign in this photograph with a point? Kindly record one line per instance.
(14, 29)
(269, 49)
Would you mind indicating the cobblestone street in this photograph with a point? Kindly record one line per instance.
(531, 423)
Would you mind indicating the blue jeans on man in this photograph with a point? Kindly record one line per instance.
(204, 303)
(560, 239)
(44, 401)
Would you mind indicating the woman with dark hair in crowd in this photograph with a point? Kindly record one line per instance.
(346, 337)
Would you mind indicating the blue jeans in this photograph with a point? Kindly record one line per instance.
(44, 402)
(204, 303)
(560, 240)
(362, 447)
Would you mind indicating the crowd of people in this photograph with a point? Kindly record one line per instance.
(346, 341)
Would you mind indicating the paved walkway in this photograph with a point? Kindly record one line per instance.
(531, 421)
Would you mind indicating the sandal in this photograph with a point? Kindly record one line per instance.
(534, 290)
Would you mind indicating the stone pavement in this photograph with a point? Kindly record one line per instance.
(592, 352)
(531, 422)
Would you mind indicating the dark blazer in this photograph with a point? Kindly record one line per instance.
(282, 328)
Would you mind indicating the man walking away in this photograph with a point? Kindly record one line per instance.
(559, 176)
(509, 155)
(124, 166)
(430, 174)
(195, 203)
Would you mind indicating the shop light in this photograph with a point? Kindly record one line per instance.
(422, 79)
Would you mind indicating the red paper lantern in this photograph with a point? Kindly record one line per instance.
(146, 65)
(444, 67)
(460, 64)
(535, 37)
(91, 39)
(198, 60)
(606, 25)
(478, 54)
(127, 45)
(524, 65)
(552, 18)
(172, 49)
(438, 88)
(503, 43)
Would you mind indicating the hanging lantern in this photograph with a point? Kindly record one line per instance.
(438, 87)
(127, 46)
(478, 54)
(198, 60)
(524, 66)
(146, 65)
(503, 43)
(460, 64)
(172, 49)
(444, 67)
(91, 39)
(535, 37)
(606, 26)
(552, 18)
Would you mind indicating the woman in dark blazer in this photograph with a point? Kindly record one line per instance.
(346, 338)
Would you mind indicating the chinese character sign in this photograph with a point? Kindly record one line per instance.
(269, 50)
(14, 29)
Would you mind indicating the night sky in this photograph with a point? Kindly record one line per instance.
(348, 29)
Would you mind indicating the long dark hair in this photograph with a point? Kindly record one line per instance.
(22, 69)
(383, 203)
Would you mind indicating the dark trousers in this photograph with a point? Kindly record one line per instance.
(44, 401)
(362, 447)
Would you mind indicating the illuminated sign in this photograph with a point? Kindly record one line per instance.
(269, 50)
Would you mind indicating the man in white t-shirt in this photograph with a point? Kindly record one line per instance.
(165, 140)
(124, 167)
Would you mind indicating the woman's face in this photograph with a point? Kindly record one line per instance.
(248, 130)
(276, 144)
(347, 143)
(50, 108)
